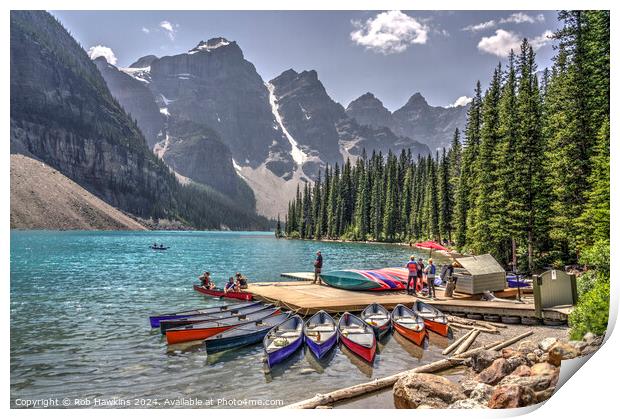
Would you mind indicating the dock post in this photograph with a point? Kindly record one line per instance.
(537, 282)
(573, 284)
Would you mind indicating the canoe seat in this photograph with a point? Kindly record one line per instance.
(377, 317)
(325, 328)
(406, 321)
(290, 335)
(364, 339)
(277, 344)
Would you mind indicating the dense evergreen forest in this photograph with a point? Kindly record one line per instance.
(527, 181)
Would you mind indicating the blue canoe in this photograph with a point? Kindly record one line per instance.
(320, 333)
(283, 340)
(243, 335)
(156, 319)
(378, 317)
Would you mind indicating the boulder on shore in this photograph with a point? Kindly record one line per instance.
(547, 343)
(561, 351)
(494, 372)
(418, 389)
(511, 396)
(483, 359)
(467, 404)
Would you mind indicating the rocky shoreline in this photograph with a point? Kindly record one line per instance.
(503, 379)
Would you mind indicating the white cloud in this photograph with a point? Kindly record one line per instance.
(542, 40)
(503, 41)
(480, 26)
(146, 30)
(102, 51)
(169, 28)
(500, 44)
(461, 101)
(521, 17)
(389, 32)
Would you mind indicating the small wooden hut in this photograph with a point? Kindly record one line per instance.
(479, 274)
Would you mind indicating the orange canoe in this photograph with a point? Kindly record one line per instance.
(434, 319)
(201, 331)
(408, 324)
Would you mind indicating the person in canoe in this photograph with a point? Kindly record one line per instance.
(205, 281)
(318, 265)
(412, 278)
(242, 281)
(230, 286)
(430, 271)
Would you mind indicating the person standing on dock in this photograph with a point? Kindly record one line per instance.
(318, 264)
(421, 272)
(430, 278)
(412, 278)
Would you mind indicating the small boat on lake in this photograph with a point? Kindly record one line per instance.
(155, 319)
(320, 333)
(378, 317)
(283, 340)
(408, 324)
(362, 280)
(358, 336)
(246, 334)
(184, 321)
(159, 247)
(199, 331)
(434, 319)
(218, 292)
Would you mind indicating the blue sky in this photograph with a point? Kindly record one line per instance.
(392, 54)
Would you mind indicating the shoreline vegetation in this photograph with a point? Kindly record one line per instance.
(527, 181)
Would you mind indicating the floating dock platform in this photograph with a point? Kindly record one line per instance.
(307, 298)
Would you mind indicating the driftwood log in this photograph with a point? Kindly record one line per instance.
(468, 342)
(381, 383)
(488, 325)
(470, 327)
(456, 343)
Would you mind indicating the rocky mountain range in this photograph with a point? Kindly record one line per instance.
(206, 116)
(62, 113)
(277, 133)
(432, 125)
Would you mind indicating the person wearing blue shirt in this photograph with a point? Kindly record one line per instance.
(430, 271)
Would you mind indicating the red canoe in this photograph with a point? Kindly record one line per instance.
(217, 292)
(434, 319)
(406, 322)
(358, 336)
(201, 331)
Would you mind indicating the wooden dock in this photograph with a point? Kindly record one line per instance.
(308, 298)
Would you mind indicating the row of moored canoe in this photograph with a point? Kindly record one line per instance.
(230, 326)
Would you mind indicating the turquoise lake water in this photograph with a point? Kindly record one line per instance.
(80, 303)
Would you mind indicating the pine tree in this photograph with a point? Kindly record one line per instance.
(595, 221)
(465, 193)
(530, 209)
(445, 199)
(278, 228)
(391, 192)
(483, 230)
(505, 184)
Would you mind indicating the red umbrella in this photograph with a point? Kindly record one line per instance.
(430, 245)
